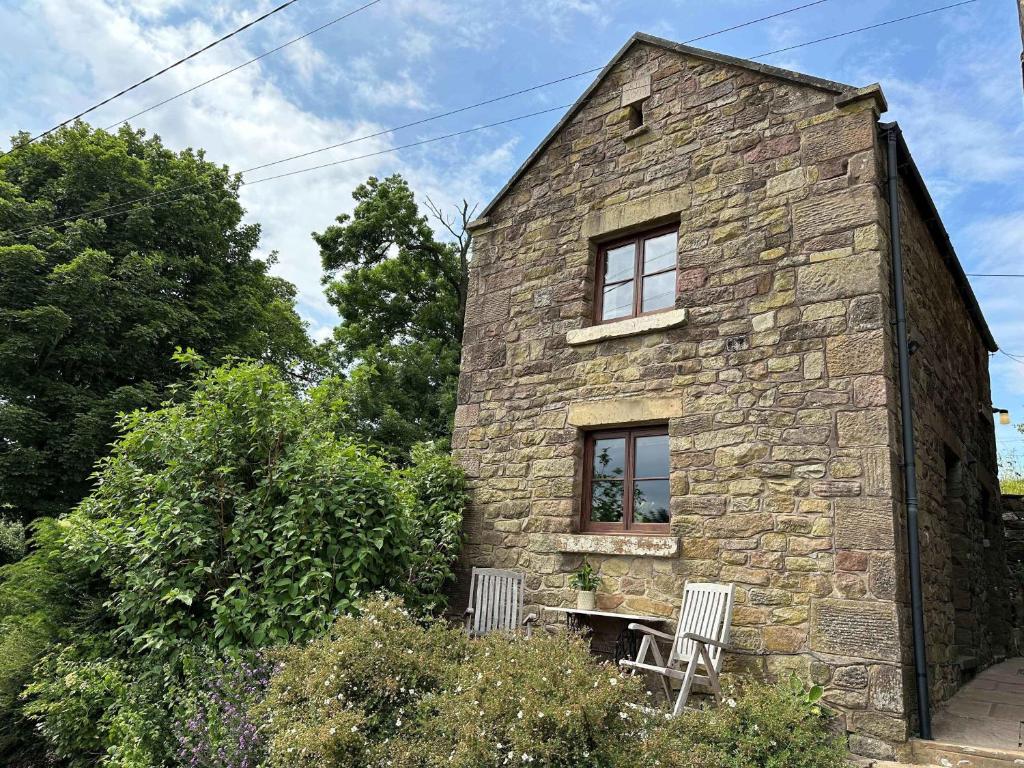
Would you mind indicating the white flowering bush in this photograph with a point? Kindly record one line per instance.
(338, 700)
(516, 702)
(759, 725)
(386, 691)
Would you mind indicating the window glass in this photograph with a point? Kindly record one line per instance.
(628, 480)
(606, 501)
(660, 253)
(618, 301)
(652, 456)
(659, 292)
(650, 501)
(610, 458)
(619, 263)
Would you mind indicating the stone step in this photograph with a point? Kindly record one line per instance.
(948, 754)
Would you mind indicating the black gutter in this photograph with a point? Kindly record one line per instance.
(892, 132)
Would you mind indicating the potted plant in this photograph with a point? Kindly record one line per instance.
(586, 581)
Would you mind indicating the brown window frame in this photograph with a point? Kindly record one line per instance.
(627, 526)
(638, 240)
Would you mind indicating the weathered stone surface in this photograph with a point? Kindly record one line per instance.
(613, 411)
(630, 546)
(856, 628)
(838, 278)
(842, 210)
(854, 353)
(633, 326)
(863, 523)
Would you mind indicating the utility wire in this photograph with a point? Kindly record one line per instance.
(155, 75)
(385, 151)
(102, 213)
(864, 29)
(422, 121)
(253, 60)
(993, 274)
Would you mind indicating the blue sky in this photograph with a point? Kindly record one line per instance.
(952, 80)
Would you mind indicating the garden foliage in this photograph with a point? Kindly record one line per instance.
(234, 517)
(96, 292)
(384, 690)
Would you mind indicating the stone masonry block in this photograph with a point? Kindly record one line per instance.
(838, 278)
(835, 212)
(862, 523)
(855, 353)
(855, 628)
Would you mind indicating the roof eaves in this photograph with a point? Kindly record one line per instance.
(912, 175)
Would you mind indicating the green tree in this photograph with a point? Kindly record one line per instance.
(91, 309)
(232, 518)
(401, 295)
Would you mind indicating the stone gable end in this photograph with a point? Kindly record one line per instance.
(772, 379)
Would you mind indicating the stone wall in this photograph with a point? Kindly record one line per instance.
(968, 596)
(777, 388)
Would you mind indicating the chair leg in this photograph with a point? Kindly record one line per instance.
(684, 690)
(716, 687)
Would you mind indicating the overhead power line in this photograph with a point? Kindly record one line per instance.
(865, 29)
(253, 60)
(993, 274)
(127, 205)
(387, 150)
(422, 121)
(169, 67)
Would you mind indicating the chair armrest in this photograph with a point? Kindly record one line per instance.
(649, 631)
(469, 612)
(530, 619)
(701, 639)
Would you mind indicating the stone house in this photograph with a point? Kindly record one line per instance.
(681, 361)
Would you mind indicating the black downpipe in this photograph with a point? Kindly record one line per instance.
(907, 418)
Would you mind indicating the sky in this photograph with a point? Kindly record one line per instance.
(952, 80)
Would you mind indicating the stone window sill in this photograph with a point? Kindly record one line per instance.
(631, 326)
(640, 130)
(613, 544)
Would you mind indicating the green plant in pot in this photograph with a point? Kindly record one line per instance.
(586, 581)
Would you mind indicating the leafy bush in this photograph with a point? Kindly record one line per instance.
(436, 496)
(38, 596)
(384, 690)
(334, 701)
(239, 518)
(759, 726)
(12, 541)
(233, 519)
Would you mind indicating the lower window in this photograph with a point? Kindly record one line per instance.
(626, 480)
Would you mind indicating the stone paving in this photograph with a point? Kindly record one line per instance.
(988, 711)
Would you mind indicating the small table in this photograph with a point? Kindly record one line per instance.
(626, 645)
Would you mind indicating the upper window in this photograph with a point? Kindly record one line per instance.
(626, 480)
(637, 276)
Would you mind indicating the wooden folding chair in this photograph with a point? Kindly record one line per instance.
(496, 603)
(696, 652)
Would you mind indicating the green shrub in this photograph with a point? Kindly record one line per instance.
(538, 702)
(239, 518)
(435, 494)
(384, 691)
(760, 725)
(233, 519)
(39, 594)
(334, 700)
(12, 540)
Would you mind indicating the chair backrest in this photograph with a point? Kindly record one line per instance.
(496, 598)
(706, 611)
